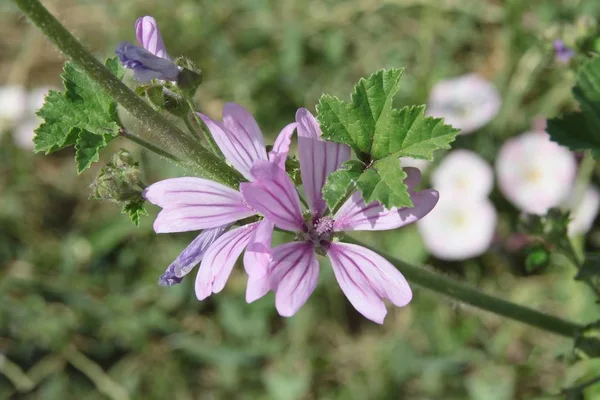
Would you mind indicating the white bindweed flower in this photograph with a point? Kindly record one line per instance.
(467, 102)
(534, 173)
(585, 212)
(458, 228)
(417, 163)
(36, 98)
(463, 174)
(13, 104)
(23, 133)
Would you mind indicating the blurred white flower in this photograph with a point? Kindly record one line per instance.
(534, 173)
(23, 132)
(458, 228)
(13, 104)
(585, 212)
(420, 164)
(463, 174)
(467, 102)
(36, 98)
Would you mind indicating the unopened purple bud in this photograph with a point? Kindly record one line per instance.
(148, 35)
(190, 256)
(169, 278)
(145, 65)
(562, 53)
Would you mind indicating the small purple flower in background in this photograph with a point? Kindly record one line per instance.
(467, 102)
(191, 204)
(365, 277)
(562, 53)
(150, 61)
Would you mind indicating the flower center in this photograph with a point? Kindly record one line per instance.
(318, 231)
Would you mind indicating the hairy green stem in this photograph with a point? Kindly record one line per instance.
(207, 135)
(459, 291)
(149, 146)
(196, 157)
(193, 132)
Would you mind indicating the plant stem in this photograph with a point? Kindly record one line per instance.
(459, 291)
(194, 133)
(196, 156)
(207, 135)
(138, 140)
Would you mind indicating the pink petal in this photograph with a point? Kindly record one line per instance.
(366, 279)
(238, 137)
(257, 287)
(308, 126)
(219, 260)
(148, 35)
(281, 147)
(191, 204)
(413, 177)
(294, 276)
(256, 261)
(273, 194)
(258, 253)
(317, 158)
(355, 215)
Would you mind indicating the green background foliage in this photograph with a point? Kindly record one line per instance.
(81, 315)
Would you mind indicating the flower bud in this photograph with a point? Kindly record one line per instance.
(148, 36)
(145, 65)
(119, 181)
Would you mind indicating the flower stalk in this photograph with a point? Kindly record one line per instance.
(196, 157)
(209, 166)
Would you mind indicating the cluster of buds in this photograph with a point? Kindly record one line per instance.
(119, 181)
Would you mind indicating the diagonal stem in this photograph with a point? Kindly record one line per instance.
(198, 158)
(459, 291)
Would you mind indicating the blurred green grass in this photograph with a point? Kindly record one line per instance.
(81, 315)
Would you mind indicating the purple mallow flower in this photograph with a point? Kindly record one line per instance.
(562, 53)
(365, 277)
(191, 204)
(150, 61)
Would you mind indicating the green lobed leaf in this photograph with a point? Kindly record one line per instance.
(581, 130)
(135, 210)
(572, 130)
(87, 148)
(384, 182)
(379, 135)
(82, 109)
(341, 183)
